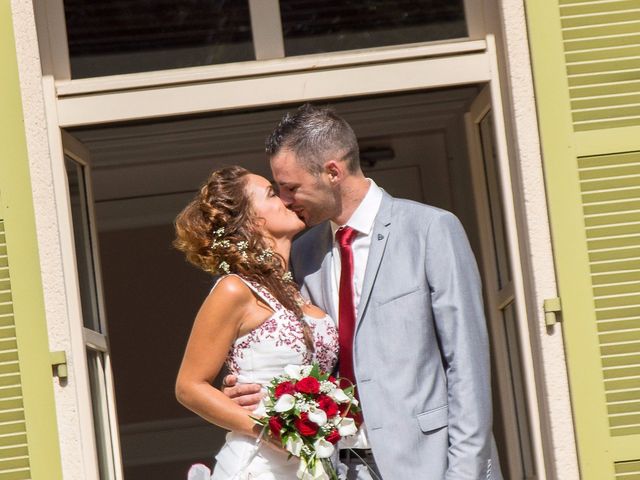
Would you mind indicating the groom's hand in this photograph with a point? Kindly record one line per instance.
(247, 395)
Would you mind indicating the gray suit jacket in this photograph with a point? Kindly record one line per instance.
(421, 354)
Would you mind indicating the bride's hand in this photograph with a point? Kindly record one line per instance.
(247, 395)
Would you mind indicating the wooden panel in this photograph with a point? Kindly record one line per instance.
(14, 452)
(602, 54)
(614, 259)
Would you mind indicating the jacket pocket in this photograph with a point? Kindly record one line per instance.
(399, 296)
(434, 419)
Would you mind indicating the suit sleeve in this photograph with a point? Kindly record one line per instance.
(456, 295)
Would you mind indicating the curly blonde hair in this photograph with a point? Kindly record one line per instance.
(218, 232)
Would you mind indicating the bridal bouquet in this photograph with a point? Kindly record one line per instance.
(307, 411)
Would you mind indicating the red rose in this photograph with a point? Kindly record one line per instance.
(305, 426)
(308, 385)
(275, 425)
(332, 379)
(333, 437)
(284, 387)
(327, 404)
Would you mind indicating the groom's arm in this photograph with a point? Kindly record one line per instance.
(456, 295)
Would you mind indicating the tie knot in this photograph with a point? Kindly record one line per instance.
(346, 236)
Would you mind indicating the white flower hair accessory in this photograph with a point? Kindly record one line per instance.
(224, 267)
(265, 255)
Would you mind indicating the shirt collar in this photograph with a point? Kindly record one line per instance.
(364, 216)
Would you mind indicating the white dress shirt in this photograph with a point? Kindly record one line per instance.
(362, 221)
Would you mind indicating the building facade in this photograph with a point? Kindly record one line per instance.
(520, 116)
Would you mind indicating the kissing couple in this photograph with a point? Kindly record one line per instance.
(383, 291)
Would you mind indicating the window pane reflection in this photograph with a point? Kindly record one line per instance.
(82, 240)
(95, 362)
(503, 266)
(509, 315)
(125, 36)
(314, 27)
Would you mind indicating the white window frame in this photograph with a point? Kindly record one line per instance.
(498, 297)
(83, 338)
(268, 46)
(250, 85)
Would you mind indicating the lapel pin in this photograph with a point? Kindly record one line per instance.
(380, 236)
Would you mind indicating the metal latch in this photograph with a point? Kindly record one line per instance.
(552, 308)
(59, 362)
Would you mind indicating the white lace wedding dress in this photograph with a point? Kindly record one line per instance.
(257, 357)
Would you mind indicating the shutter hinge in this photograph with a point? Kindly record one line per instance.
(552, 308)
(59, 362)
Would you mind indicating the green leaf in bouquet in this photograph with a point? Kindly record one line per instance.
(315, 371)
(349, 390)
(264, 421)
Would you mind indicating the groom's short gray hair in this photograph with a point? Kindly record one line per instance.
(315, 134)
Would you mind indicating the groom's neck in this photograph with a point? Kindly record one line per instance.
(353, 189)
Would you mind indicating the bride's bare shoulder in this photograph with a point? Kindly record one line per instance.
(230, 289)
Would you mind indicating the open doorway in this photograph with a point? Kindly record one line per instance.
(415, 145)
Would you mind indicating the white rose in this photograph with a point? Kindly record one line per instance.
(315, 473)
(284, 403)
(323, 448)
(347, 427)
(317, 416)
(339, 396)
(293, 445)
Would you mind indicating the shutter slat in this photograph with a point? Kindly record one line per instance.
(597, 7)
(627, 470)
(621, 360)
(614, 278)
(604, 90)
(602, 18)
(624, 206)
(618, 300)
(610, 196)
(612, 41)
(611, 325)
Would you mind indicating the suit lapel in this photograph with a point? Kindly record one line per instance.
(380, 235)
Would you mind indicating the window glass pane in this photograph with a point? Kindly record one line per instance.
(95, 363)
(503, 266)
(125, 36)
(314, 27)
(509, 316)
(82, 241)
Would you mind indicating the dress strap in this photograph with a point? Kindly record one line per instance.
(262, 292)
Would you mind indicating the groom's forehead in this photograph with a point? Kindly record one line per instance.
(287, 169)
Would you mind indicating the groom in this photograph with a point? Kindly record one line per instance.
(401, 280)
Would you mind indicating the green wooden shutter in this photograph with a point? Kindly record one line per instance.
(586, 64)
(28, 434)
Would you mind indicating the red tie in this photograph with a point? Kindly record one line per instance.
(347, 311)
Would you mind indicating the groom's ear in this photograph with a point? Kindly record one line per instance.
(334, 170)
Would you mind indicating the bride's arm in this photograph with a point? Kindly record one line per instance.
(215, 328)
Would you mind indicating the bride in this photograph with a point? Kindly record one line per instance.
(253, 321)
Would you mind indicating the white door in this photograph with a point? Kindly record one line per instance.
(502, 301)
(98, 412)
